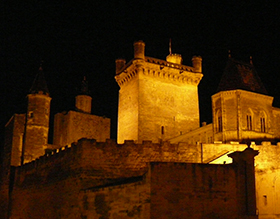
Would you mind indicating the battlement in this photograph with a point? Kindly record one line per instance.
(129, 153)
(104, 159)
(169, 64)
(174, 72)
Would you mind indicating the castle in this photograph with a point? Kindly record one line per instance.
(164, 165)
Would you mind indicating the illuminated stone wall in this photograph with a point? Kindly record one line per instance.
(266, 169)
(158, 99)
(166, 108)
(50, 186)
(124, 201)
(172, 190)
(234, 107)
(128, 116)
(14, 137)
(71, 126)
(274, 122)
(37, 126)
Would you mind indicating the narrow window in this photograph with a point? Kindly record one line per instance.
(249, 122)
(162, 130)
(263, 128)
(220, 124)
(265, 200)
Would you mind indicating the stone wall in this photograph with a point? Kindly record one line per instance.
(49, 187)
(177, 190)
(193, 191)
(71, 126)
(128, 200)
(267, 168)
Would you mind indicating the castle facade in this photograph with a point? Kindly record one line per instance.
(164, 165)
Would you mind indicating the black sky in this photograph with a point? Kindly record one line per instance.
(83, 38)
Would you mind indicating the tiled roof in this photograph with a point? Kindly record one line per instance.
(240, 75)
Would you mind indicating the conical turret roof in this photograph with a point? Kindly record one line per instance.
(241, 75)
(39, 84)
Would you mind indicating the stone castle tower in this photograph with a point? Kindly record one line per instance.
(37, 119)
(241, 108)
(75, 124)
(158, 99)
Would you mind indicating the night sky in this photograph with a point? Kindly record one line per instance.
(84, 39)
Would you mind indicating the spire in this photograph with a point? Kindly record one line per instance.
(39, 84)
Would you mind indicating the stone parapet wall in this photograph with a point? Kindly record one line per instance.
(102, 160)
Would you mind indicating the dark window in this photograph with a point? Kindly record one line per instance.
(249, 122)
(263, 128)
(220, 124)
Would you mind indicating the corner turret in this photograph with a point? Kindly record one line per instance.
(120, 63)
(139, 50)
(197, 64)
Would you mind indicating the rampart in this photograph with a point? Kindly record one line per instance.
(178, 190)
(89, 159)
(49, 187)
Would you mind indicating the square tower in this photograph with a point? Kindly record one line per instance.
(158, 99)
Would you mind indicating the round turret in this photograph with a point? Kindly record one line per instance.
(197, 64)
(174, 58)
(120, 63)
(139, 50)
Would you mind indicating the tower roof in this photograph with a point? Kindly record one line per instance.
(39, 84)
(241, 75)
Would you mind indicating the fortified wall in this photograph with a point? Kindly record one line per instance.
(267, 171)
(72, 176)
(179, 190)
(61, 174)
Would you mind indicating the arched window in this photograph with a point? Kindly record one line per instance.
(249, 120)
(219, 121)
(263, 122)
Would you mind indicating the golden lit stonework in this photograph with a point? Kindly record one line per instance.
(147, 83)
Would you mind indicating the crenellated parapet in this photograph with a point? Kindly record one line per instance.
(102, 160)
(159, 69)
(50, 157)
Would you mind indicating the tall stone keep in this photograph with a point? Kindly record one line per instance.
(37, 119)
(158, 99)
